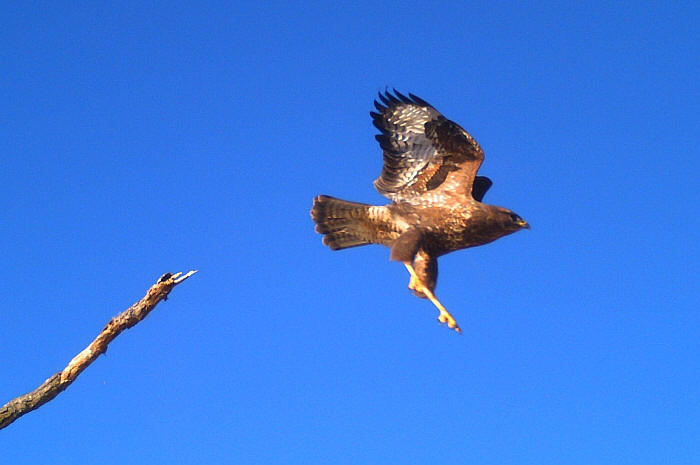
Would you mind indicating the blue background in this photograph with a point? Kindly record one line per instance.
(145, 137)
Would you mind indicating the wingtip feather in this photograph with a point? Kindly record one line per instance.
(402, 98)
(419, 100)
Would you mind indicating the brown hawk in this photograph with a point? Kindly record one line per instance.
(429, 173)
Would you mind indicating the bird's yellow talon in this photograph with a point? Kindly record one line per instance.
(416, 285)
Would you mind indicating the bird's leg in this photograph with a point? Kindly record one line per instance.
(414, 284)
(417, 285)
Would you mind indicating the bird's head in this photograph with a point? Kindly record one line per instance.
(510, 220)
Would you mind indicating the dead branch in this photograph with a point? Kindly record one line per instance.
(61, 380)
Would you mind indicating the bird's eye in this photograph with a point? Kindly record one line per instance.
(515, 218)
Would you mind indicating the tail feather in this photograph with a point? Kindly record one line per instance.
(343, 223)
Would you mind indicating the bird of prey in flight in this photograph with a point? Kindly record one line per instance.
(429, 174)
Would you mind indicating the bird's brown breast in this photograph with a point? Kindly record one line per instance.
(448, 228)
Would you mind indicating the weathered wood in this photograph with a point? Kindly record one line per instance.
(61, 380)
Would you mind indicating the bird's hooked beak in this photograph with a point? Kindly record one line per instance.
(523, 224)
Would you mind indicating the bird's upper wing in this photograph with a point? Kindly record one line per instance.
(423, 150)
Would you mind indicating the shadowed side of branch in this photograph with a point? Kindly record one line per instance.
(61, 380)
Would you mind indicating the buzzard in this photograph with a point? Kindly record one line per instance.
(429, 174)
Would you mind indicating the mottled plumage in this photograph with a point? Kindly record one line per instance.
(429, 173)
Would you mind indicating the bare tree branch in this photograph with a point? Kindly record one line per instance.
(61, 380)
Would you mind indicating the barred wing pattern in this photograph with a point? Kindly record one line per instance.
(421, 148)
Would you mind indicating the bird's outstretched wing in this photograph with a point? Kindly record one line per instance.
(423, 150)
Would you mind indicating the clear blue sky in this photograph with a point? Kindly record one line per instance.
(149, 137)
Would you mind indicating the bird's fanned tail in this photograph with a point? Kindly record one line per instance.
(348, 224)
(339, 221)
